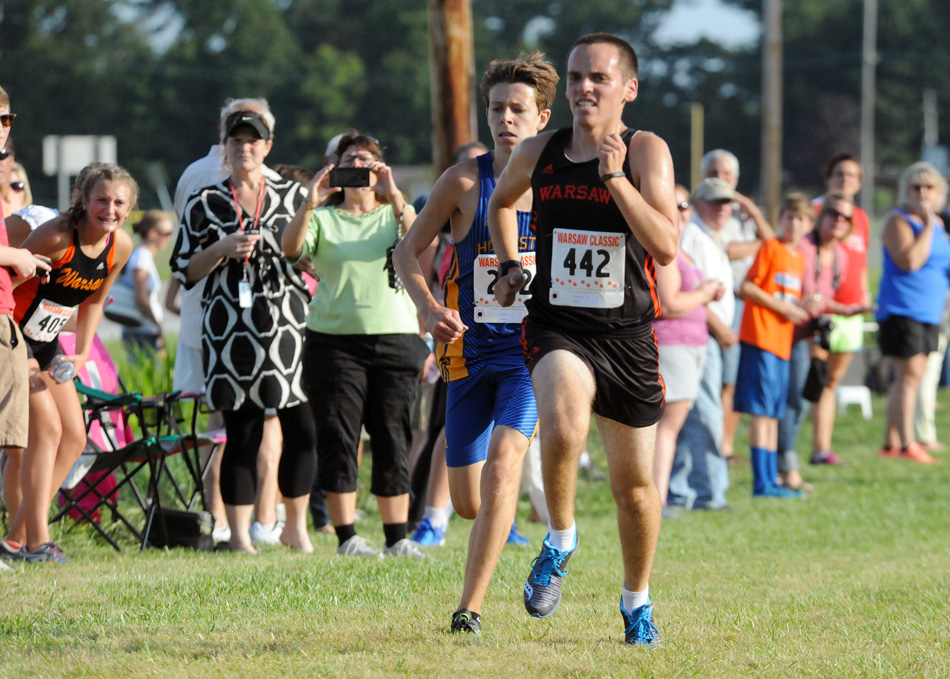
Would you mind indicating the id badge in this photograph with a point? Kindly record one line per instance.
(244, 294)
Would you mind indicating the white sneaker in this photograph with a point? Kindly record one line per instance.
(268, 534)
(221, 534)
(405, 548)
(280, 512)
(358, 546)
(4, 568)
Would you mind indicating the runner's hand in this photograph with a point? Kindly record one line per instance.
(444, 324)
(508, 287)
(611, 155)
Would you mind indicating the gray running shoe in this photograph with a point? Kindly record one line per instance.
(358, 546)
(405, 548)
(542, 591)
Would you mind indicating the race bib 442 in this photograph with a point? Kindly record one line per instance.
(587, 269)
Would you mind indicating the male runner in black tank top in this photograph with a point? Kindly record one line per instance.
(605, 217)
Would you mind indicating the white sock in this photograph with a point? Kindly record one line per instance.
(633, 600)
(562, 540)
(437, 516)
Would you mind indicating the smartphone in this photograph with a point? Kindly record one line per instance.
(349, 176)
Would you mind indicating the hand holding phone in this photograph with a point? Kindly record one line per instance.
(349, 176)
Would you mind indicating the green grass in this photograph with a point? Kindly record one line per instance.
(853, 581)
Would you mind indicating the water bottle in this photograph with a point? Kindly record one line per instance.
(62, 370)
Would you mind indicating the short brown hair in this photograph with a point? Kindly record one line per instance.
(835, 160)
(629, 65)
(531, 69)
(798, 204)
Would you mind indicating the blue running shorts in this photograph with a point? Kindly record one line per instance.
(761, 383)
(489, 396)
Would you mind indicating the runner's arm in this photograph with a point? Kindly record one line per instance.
(650, 212)
(444, 324)
(514, 181)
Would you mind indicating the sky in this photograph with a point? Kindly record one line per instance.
(691, 20)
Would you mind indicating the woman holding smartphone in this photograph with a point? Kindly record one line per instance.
(363, 355)
(253, 309)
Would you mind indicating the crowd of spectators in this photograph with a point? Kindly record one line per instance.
(750, 311)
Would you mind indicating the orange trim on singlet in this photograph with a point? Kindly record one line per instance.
(111, 256)
(659, 377)
(649, 269)
(451, 359)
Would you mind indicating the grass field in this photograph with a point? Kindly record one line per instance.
(853, 581)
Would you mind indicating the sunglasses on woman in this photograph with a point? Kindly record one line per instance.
(835, 216)
(6, 119)
(17, 186)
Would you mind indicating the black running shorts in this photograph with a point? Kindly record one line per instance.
(626, 373)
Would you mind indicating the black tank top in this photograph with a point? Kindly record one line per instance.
(42, 309)
(593, 275)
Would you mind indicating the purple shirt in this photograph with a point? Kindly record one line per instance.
(689, 330)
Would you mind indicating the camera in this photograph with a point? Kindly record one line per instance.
(823, 327)
(349, 176)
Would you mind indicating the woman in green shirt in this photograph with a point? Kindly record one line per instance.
(363, 354)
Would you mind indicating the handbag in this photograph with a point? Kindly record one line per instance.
(122, 308)
(817, 379)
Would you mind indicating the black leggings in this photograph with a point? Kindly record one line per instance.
(245, 428)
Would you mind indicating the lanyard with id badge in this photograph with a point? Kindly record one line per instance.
(244, 286)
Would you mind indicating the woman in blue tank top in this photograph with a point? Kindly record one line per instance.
(914, 285)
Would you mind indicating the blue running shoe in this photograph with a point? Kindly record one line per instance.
(777, 491)
(542, 591)
(639, 629)
(516, 538)
(428, 535)
(48, 552)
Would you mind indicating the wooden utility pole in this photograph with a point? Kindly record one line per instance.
(451, 69)
(868, 96)
(771, 107)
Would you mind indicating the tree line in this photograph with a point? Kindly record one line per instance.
(154, 73)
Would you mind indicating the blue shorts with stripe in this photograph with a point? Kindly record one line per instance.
(762, 383)
(491, 395)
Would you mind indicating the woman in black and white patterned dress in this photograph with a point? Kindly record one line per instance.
(253, 310)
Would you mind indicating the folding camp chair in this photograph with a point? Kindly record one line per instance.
(115, 447)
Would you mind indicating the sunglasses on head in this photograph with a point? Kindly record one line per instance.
(17, 186)
(6, 119)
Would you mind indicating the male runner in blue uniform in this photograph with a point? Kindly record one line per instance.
(604, 218)
(490, 410)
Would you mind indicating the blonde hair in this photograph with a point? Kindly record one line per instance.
(922, 171)
(90, 176)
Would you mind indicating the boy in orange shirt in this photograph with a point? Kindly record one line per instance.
(772, 292)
